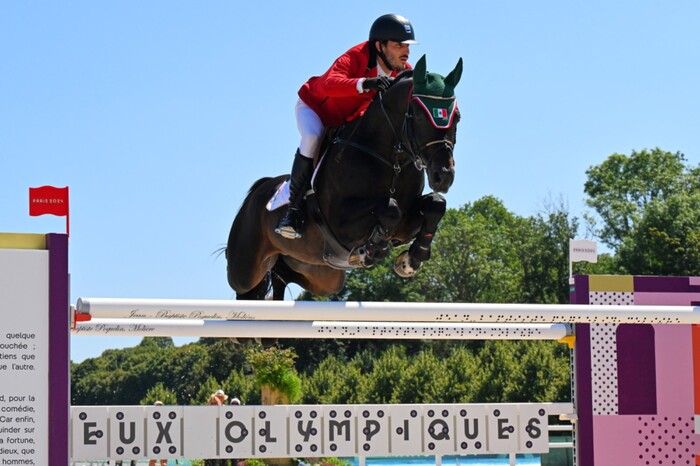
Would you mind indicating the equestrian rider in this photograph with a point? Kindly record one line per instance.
(340, 95)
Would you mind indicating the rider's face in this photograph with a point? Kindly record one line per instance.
(396, 54)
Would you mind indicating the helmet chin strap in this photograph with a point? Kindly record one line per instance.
(380, 54)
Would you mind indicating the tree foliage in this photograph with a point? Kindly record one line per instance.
(274, 366)
(622, 187)
(159, 393)
(648, 212)
(482, 253)
(666, 240)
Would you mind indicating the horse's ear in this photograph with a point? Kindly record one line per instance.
(453, 78)
(420, 71)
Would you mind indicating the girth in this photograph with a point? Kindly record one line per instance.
(335, 254)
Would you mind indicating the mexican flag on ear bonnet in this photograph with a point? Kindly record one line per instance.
(436, 94)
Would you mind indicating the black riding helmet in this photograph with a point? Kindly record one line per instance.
(392, 27)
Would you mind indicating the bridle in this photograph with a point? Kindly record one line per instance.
(405, 142)
(420, 151)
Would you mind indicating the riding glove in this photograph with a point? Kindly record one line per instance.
(380, 83)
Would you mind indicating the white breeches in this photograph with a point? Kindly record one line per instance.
(310, 128)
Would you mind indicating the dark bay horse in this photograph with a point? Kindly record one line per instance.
(367, 194)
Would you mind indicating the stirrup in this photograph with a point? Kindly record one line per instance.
(287, 232)
(291, 224)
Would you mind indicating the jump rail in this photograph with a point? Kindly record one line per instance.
(320, 329)
(383, 311)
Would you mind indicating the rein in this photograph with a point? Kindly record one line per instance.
(399, 148)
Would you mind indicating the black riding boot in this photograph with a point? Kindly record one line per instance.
(292, 222)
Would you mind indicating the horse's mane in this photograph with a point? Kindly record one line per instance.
(400, 82)
(403, 75)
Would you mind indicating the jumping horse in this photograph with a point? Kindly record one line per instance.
(366, 194)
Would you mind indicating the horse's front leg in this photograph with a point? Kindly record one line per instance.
(388, 215)
(431, 208)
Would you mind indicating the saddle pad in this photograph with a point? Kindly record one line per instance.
(280, 198)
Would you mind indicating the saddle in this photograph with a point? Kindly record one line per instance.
(335, 254)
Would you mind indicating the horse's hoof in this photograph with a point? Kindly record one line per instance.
(402, 266)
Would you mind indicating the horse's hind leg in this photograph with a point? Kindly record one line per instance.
(432, 207)
(319, 280)
(279, 284)
(258, 292)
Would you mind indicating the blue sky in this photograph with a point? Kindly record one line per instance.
(159, 115)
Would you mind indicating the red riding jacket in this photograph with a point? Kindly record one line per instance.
(333, 95)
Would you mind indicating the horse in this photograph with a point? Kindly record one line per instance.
(366, 195)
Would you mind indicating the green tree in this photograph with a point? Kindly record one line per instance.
(648, 207)
(423, 381)
(225, 355)
(543, 253)
(622, 187)
(381, 382)
(474, 256)
(522, 371)
(461, 365)
(159, 393)
(204, 390)
(242, 386)
(666, 240)
(333, 382)
(121, 376)
(183, 369)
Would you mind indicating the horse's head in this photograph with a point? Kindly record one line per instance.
(433, 127)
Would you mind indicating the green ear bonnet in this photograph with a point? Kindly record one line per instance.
(436, 94)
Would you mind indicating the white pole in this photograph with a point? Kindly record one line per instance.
(385, 311)
(320, 329)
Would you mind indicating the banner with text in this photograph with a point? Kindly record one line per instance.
(24, 356)
(134, 432)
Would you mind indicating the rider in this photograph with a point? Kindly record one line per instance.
(339, 95)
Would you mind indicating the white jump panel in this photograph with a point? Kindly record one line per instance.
(471, 432)
(373, 426)
(320, 329)
(384, 311)
(305, 430)
(139, 432)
